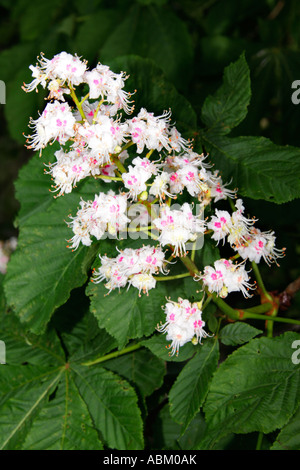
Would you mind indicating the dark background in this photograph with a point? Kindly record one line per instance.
(191, 42)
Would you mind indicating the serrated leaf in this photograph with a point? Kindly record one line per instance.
(141, 368)
(23, 347)
(170, 47)
(289, 436)
(125, 314)
(64, 422)
(238, 333)
(24, 391)
(112, 403)
(191, 386)
(259, 168)
(257, 388)
(228, 106)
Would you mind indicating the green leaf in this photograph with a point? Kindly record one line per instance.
(191, 386)
(158, 345)
(125, 314)
(171, 46)
(22, 346)
(43, 271)
(33, 185)
(25, 390)
(228, 106)
(259, 168)
(237, 333)
(112, 403)
(289, 436)
(64, 422)
(141, 368)
(257, 388)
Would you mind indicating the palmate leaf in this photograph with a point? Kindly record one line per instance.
(170, 48)
(24, 391)
(69, 425)
(24, 347)
(47, 403)
(257, 388)
(191, 386)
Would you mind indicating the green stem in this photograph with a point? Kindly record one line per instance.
(190, 265)
(169, 278)
(259, 440)
(229, 311)
(256, 316)
(118, 164)
(110, 178)
(113, 355)
(262, 308)
(259, 280)
(84, 98)
(77, 102)
(97, 110)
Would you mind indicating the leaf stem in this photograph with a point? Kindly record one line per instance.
(169, 278)
(113, 355)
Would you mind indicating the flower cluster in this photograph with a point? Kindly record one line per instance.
(97, 138)
(183, 324)
(94, 218)
(247, 240)
(225, 277)
(177, 227)
(133, 267)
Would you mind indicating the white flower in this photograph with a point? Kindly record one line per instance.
(150, 131)
(105, 213)
(62, 68)
(183, 324)
(135, 267)
(177, 227)
(225, 277)
(68, 170)
(260, 245)
(159, 187)
(105, 84)
(220, 224)
(56, 123)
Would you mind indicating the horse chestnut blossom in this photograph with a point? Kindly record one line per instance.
(135, 267)
(183, 324)
(177, 227)
(260, 245)
(56, 123)
(150, 164)
(94, 218)
(225, 277)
